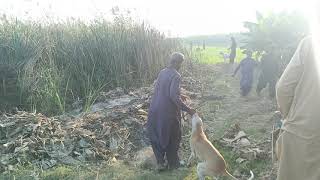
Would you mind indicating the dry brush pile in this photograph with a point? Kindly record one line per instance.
(113, 128)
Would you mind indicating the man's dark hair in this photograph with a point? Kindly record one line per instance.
(176, 58)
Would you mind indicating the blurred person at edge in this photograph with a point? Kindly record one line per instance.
(298, 97)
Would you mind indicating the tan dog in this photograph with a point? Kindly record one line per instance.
(211, 161)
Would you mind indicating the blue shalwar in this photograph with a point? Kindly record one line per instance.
(247, 66)
(164, 117)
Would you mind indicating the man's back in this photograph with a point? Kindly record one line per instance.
(247, 65)
(298, 93)
(299, 101)
(269, 65)
(161, 99)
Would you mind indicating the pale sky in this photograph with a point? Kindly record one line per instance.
(179, 17)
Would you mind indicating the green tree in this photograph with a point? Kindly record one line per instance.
(280, 31)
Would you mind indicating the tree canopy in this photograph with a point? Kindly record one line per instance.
(279, 31)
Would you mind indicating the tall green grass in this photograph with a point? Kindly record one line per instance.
(45, 67)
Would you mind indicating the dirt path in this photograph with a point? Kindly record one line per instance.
(252, 113)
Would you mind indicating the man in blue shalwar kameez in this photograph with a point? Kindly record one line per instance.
(164, 117)
(247, 66)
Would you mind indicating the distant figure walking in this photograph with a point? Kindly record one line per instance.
(224, 56)
(269, 72)
(233, 50)
(247, 66)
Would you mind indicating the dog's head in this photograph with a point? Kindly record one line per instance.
(196, 120)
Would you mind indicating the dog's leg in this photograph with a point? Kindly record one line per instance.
(192, 156)
(183, 119)
(201, 170)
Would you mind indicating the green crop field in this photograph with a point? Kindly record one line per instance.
(211, 54)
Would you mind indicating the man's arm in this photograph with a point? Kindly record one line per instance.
(175, 96)
(237, 69)
(256, 63)
(277, 66)
(262, 61)
(288, 81)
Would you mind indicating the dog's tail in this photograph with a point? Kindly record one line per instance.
(230, 175)
(252, 175)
